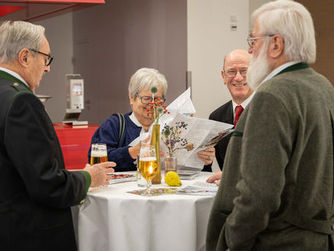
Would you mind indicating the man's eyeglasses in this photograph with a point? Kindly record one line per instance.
(251, 40)
(48, 60)
(148, 99)
(231, 73)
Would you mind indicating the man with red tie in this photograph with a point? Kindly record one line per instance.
(234, 76)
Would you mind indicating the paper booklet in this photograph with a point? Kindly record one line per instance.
(199, 133)
(120, 177)
(199, 188)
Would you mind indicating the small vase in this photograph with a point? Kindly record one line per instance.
(155, 140)
(170, 163)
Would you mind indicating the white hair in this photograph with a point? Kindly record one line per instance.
(294, 23)
(145, 79)
(258, 68)
(16, 35)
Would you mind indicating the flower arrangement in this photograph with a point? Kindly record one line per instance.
(156, 107)
(171, 136)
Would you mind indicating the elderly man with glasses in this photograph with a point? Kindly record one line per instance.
(234, 75)
(36, 192)
(276, 191)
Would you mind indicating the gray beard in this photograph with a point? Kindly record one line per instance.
(258, 69)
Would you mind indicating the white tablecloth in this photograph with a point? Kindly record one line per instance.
(115, 220)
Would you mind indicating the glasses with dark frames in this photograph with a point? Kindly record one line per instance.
(148, 99)
(48, 60)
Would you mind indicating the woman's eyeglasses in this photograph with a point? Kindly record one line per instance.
(148, 99)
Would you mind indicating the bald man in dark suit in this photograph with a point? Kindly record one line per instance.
(234, 76)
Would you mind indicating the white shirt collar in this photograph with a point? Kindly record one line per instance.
(134, 119)
(278, 70)
(243, 104)
(14, 74)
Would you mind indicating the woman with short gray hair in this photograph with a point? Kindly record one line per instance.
(135, 122)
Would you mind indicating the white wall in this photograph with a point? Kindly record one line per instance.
(210, 38)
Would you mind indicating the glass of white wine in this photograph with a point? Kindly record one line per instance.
(148, 165)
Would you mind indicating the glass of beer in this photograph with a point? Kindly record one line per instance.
(98, 153)
(148, 165)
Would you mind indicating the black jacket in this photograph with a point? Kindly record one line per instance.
(36, 193)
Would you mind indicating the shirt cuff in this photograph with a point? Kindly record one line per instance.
(88, 180)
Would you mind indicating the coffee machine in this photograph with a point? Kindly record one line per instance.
(74, 99)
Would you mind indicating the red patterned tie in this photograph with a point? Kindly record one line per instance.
(238, 111)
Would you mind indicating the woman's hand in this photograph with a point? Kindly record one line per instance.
(135, 150)
(207, 155)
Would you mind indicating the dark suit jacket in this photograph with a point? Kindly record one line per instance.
(36, 193)
(222, 114)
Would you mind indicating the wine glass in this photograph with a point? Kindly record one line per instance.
(148, 165)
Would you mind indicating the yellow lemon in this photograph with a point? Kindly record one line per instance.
(172, 179)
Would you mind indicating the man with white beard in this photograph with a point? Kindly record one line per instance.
(277, 186)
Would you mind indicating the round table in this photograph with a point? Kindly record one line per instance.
(113, 219)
